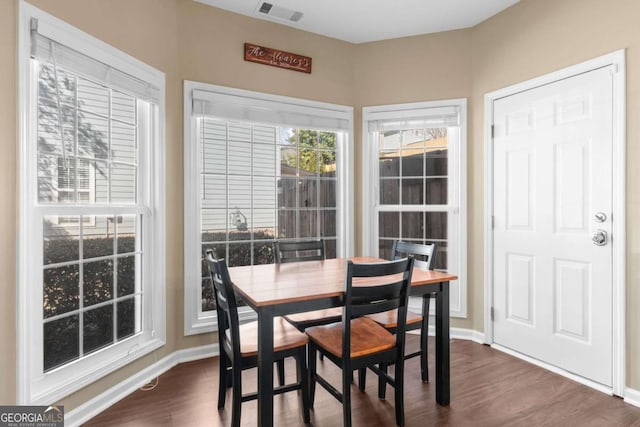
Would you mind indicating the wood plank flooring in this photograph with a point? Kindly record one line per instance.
(488, 388)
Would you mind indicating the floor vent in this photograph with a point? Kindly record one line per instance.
(278, 12)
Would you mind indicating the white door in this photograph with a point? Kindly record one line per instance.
(552, 225)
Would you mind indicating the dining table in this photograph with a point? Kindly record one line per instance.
(280, 289)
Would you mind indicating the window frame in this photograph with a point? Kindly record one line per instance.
(457, 190)
(33, 385)
(195, 320)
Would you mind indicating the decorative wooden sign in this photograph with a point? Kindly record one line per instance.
(277, 58)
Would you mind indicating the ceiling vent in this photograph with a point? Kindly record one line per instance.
(278, 12)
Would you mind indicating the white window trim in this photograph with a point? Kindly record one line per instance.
(195, 321)
(457, 168)
(34, 386)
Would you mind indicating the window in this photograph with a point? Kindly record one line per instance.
(264, 168)
(92, 228)
(414, 183)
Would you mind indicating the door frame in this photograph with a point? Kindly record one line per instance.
(617, 61)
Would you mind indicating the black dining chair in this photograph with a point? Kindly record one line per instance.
(239, 346)
(357, 341)
(298, 251)
(425, 256)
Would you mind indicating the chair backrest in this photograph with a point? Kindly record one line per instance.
(379, 287)
(302, 250)
(226, 304)
(402, 249)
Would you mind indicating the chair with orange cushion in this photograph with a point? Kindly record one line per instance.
(359, 342)
(425, 256)
(299, 251)
(239, 345)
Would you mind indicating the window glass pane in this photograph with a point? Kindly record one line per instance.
(412, 191)
(97, 237)
(123, 143)
(287, 189)
(98, 282)
(436, 191)
(239, 132)
(265, 135)
(442, 255)
(328, 223)
(123, 107)
(61, 341)
(98, 328)
(239, 254)
(101, 176)
(330, 250)
(93, 98)
(61, 289)
(123, 183)
(239, 191)
(66, 86)
(308, 224)
(437, 161)
(213, 151)
(436, 225)
(49, 128)
(126, 233)
(412, 226)
(126, 318)
(308, 161)
(93, 136)
(239, 158)
(213, 223)
(213, 191)
(61, 244)
(208, 299)
(264, 222)
(389, 224)
(389, 191)
(327, 193)
(288, 160)
(384, 248)
(263, 253)
(264, 192)
(308, 188)
(328, 141)
(127, 274)
(286, 224)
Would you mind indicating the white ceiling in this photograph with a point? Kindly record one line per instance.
(359, 21)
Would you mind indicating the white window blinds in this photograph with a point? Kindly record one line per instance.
(247, 109)
(423, 118)
(47, 50)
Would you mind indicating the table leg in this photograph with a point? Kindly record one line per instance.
(265, 367)
(442, 345)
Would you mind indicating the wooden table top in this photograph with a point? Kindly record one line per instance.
(272, 284)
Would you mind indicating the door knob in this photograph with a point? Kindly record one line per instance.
(599, 238)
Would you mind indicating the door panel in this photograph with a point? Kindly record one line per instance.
(552, 173)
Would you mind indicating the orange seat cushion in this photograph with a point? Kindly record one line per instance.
(389, 319)
(367, 337)
(285, 337)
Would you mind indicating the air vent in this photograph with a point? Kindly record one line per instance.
(278, 12)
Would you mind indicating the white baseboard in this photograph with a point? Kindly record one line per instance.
(100, 403)
(594, 385)
(632, 396)
(457, 333)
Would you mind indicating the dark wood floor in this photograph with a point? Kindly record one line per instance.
(488, 388)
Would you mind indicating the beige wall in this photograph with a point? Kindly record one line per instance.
(187, 40)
